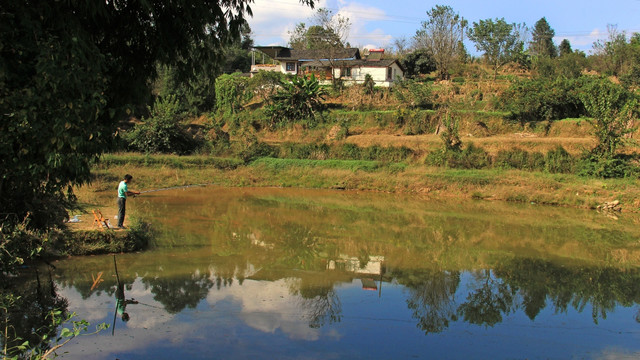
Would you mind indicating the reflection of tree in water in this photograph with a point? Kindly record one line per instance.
(28, 318)
(431, 297)
(178, 292)
(299, 249)
(321, 302)
(527, 284)
(602, 287)
(488, 302)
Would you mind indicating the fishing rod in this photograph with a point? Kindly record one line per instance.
(173, 187)
(115, 312)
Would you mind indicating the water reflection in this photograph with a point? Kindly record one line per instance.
(245, 266)
(26, 311)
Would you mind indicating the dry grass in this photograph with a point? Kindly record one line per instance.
(493, 144)
(521, 186)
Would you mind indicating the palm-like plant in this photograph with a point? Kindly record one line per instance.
(297, 100)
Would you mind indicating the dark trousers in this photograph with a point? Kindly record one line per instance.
(122, 204)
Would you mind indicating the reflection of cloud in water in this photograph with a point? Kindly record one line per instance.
(268, 306)
(617, 354)
(96, 308)
(144, 324)
(265, 306)
(92, 309)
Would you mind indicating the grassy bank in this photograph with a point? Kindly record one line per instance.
(404, 177)
(83, 241)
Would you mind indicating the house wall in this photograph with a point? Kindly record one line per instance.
(379, 74)
(283, 67)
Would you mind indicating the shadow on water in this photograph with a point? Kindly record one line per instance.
(320, 266)
(26, 312)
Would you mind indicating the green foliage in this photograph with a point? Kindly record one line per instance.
(565, 47)
(231, 93)
(170, 161)
(299, 100)
(282, 164)
(69, 71)
(441, 35)
(344, 152)
(559, 160)
(498, 40)
(612, 108)
(368, 85)
(471, 157)
(414, 93)
(543, 99)
(327, 31)
(616, 56)
(542, 40)
(162, 132)
(414, 122)
(618, 166)
(571, 65)
(195, 96)
(265, 83)
(418, 62)
(450, 135)
(237, 55)
(18, 243)
(252, 149)
(519, 159)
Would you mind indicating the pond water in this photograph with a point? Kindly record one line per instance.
(302, 274)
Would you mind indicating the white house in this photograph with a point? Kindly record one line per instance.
(345, 64)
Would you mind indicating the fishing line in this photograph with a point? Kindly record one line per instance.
(175, 187)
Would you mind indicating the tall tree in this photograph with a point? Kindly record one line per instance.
(615, 56)
(565, 47)
(498, 40)
(401, 46)
(327, 31)
(542, 42)
(442, 34)
(69, 70)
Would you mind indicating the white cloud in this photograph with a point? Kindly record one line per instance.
(273, 20)
(583, 41)
(273, 309)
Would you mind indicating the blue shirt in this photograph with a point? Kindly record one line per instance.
(122, 189)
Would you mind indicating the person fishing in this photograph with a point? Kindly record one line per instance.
(123, 192)
(122, 302)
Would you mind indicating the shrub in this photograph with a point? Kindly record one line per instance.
(368, 85)
(265, 83)
(559, 160)
(231, 93)
(450, 135)
(519, 159)
(413, 122)
(543, 99)
(414, 94)
(612, 108)
(618, 166)
(162, 132)
(471, 157)
(298, 100)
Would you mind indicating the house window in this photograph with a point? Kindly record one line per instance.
(346, 72)
(389, 73)
(291, 66)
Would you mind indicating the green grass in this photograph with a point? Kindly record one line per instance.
(172, 161)
(282, 164)
(468, 177)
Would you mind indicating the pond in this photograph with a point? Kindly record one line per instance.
(305, 274)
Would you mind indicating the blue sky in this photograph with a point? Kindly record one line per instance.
(376, 23)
